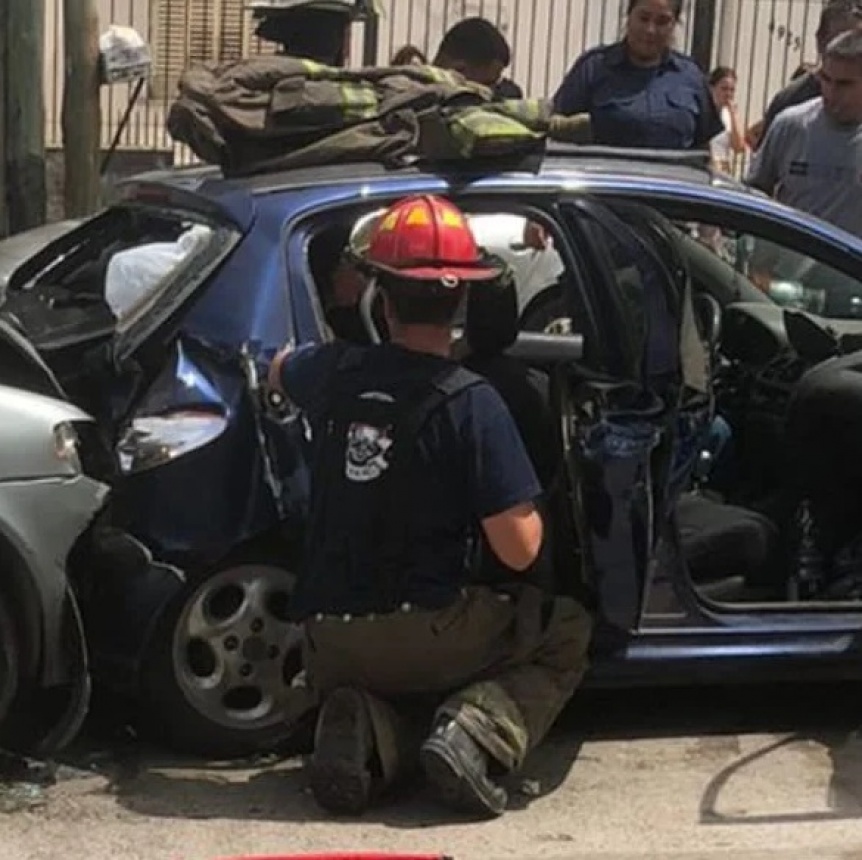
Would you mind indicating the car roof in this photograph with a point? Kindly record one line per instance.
(560, 162)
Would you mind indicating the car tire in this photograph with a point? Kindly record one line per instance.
(223, 676)
(9, 662)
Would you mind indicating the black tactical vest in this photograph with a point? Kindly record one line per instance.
(360, 514)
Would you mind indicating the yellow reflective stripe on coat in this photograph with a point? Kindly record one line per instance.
(442, 76)
(359, 101)
(312, 68)
(532, 112)
(478, 128)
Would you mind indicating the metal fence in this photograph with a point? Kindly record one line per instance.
(764, 40)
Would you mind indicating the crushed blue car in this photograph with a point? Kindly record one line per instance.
(159, 316)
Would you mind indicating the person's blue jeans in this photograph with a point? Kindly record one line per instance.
(719, 443)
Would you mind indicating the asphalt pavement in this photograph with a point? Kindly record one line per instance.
(689, 775)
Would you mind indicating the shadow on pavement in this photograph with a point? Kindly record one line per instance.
(843, 797)
(149, 782)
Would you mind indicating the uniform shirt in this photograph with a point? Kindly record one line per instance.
(469, 464)
(665, 107)
(809, 162)
(801, 90)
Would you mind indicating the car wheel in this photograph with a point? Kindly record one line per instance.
(225, 676)
(9, 665)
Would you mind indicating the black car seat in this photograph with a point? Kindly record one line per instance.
(490, 328)
(731, 552)
(325, 256)
(823, 425)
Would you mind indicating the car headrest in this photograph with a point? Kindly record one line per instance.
(491, 319)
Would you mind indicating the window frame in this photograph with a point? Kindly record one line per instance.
(190, 272)
(542, 209)
(768, 221)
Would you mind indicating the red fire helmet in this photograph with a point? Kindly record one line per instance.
(427, 238)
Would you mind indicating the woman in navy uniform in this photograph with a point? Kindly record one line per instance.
(639, 92)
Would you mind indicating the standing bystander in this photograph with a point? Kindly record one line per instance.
(730, 142)
(811, 157)
(639, 91)
(408, 55)
(837, 17)
(479, 51)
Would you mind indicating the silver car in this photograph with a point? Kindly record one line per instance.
(47, 502)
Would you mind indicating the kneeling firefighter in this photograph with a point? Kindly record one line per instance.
(411, 453)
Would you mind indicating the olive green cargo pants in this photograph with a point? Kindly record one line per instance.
(504, 664)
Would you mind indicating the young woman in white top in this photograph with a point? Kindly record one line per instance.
(730, 142)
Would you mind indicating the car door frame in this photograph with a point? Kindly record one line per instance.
(742, 210)
(750, 212)
(628, 614)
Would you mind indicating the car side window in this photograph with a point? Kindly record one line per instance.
(637, 278)
(538, 268)
(783, 272)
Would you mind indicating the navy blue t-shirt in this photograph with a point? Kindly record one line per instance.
(469, 464)
(668, 106)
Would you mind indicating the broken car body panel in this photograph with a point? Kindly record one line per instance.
(46, 504)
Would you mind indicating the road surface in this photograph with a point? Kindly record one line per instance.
(684, 775)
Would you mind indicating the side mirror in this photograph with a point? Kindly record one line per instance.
(547, 349)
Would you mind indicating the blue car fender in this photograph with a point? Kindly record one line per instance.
(128, 594)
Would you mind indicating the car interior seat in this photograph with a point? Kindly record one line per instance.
(325, 260)
(490, 328)
(732, 553)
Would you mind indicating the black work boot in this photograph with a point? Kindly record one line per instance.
(457, 769)
(341, 767)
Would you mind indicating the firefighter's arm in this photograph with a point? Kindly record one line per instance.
(515, 535)
(300, 374)
(503, 482)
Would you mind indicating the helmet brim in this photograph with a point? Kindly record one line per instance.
(447, 276)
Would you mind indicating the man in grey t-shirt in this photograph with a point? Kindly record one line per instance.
(837, 17)
(811, 158)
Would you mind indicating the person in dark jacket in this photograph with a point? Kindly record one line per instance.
(314, 29)
(479, 51)
(837, 17)
(639, 91)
